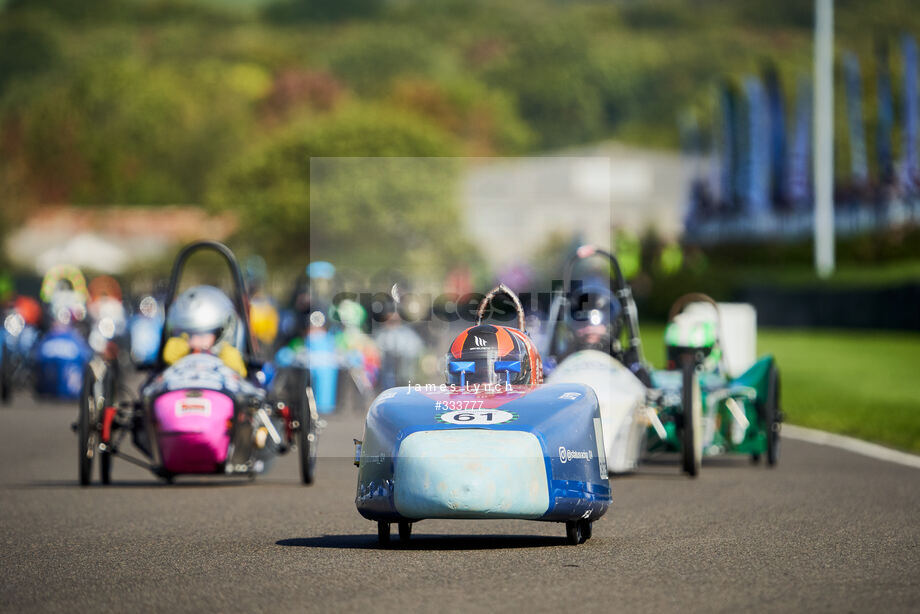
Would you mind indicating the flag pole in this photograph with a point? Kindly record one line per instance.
(824, 137)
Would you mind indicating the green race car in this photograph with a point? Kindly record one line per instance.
(708, 405)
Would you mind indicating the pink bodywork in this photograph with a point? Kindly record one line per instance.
(193, 431)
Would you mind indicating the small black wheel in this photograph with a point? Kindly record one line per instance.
(105, 467)
(383, 532)
(86, 427)
(306, 438)
(6, 378)
(773, 417)
(691, 418)
(586, 530)
(573, 533)
(109, 386)
(755, 459)
(405, 531)
(299, 397)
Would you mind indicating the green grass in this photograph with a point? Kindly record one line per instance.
(862, 384)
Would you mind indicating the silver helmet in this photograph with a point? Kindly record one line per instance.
(204, 309)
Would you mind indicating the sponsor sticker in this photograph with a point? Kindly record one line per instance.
(478, 417)
(197, 406)
(566, 455)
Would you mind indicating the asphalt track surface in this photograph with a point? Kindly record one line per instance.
(826, 531)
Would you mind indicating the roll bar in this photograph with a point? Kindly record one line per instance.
(621, 289)
(501, 289)
(239, 296)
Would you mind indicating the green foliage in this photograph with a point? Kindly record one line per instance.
(295, 11)
(120, 131)
(371, 60)
(26, 50)
(150, 101)
(556, 83)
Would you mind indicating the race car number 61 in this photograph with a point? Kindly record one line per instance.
(476, 416)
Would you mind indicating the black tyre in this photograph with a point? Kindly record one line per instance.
(573, 532)
(405, 531)
(109, 386)
(86, 427)
(691, 419)
(586, 529)
(105, 467)
(300, 399)
(6, 378)
(773, 417)
(383, 532)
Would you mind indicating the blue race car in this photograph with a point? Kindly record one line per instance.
(491, 442)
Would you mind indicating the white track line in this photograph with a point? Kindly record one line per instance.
(857, 446)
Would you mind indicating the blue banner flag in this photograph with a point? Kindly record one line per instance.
(799, 171)
(728, 145)
(885, 118)
(910, 167)
(757, 197)
(859, 168)
(777, 136)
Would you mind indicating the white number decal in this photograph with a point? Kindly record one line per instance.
(477, 416)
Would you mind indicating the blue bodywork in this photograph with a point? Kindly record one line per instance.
(318, 353)
(534, 453)
(144, 333)
(60, 357)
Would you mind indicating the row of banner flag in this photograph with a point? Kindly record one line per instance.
(763, 153)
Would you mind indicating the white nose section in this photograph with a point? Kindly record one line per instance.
(471, 473)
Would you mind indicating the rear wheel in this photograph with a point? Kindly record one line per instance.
(108, 385)
(405, 531)
(303, 408)
(86, 427)
(692, 418)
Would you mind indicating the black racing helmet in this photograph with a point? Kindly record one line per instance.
(489, 354)
(595, 316)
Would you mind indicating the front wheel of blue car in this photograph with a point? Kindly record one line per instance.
(383, 532)
(577, 531)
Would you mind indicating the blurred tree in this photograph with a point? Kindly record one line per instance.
(293, 11)
(82, 11)
(485, 119)
(374, 209)
(369, 61)
(122, 132)
(556, 83)
(26, 50)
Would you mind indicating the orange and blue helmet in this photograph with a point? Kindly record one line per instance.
(490, 354)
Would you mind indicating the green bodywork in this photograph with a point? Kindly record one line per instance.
(722, 432)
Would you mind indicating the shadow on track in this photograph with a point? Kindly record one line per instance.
(367, 541)
(153, 483)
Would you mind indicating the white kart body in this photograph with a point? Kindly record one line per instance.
(621, 399)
